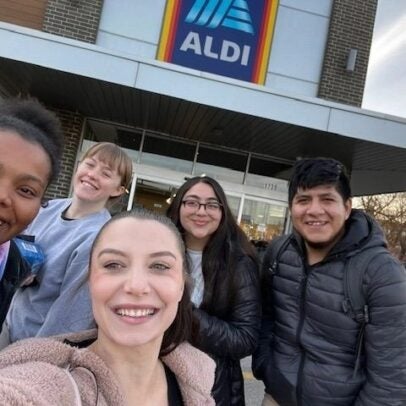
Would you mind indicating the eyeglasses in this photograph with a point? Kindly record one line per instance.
(194, 205)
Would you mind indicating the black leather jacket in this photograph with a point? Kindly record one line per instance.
(308, 343)
(229, 330)
(15, 272)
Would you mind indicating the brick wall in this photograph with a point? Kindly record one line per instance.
(72, 127)
(76, 19)
(351, 26)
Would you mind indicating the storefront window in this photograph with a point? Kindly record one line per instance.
(153, 196)
(166, 153)
(221, 165)
(234, 204)
(262, 221)
(267, 167)
(97, 131)
(261, 217)
(259, 173)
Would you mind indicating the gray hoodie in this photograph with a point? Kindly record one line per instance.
(59, 303)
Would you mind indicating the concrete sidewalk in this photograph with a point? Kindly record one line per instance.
(254, 390)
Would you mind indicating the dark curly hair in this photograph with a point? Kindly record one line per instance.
(33, 122)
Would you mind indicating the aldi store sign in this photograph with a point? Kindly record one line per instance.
(227, 37)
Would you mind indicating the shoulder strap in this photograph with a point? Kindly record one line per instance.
(354, 271)
(355, 302)
(273, 254)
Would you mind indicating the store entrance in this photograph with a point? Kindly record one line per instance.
(162, 164)
(261, 219)
(151, 195)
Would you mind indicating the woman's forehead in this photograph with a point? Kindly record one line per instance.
(105, 159)
(140, 230)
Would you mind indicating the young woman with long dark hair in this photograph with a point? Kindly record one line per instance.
(225, 278)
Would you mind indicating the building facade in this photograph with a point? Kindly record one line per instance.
(96, 64)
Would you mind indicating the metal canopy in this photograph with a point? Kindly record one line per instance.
(375, 167)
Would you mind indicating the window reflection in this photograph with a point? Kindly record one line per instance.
(221, 165)
(169, 154)
(262, 221)
(234, 204)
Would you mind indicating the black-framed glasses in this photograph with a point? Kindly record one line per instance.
(194, 205)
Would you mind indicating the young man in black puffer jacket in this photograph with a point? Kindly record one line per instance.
(311, 352)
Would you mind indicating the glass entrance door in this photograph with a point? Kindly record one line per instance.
(155, 196)
(262, 220)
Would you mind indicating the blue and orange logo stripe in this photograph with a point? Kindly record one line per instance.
(169, 29)
(265, 41)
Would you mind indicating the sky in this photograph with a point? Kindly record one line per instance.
(385, 88)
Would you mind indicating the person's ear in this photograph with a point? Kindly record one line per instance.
(119, 191)
(348, 208)
(182, 291)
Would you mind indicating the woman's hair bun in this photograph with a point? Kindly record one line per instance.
(31, 111)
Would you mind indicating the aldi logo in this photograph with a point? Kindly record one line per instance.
(227, 37)
(233, 15)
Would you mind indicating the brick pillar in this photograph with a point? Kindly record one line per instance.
(76, 19)
(72, 127)
(351, 26)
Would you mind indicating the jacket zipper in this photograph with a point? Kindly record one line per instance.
(299, 333)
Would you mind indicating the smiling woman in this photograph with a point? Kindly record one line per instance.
(225, 292)
(65, 230)
(136, 279)
(30, 178)
(30, 149)
(138, 355)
